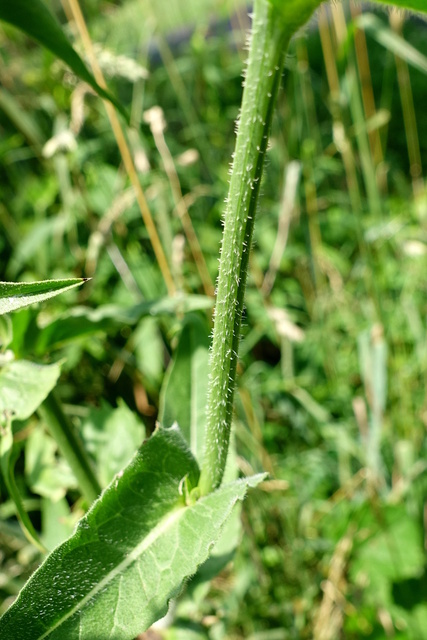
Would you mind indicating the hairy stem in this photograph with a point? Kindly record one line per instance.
(268, 44)
(274, 23)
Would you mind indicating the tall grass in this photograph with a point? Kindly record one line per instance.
(331, 393)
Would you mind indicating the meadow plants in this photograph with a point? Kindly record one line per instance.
(173, 508)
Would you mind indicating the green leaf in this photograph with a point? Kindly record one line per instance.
(70, 445)
(392, 552)
(295, 13)
(389, 563)
(6, 332)
(129, 555)
(24, 121)
(112, 436)
(24, 385)
(148, 348)
(80, 322)
(8, 457)
(224, 550)
(392, 41)
(46, 473)
(57, 522)
(186, 631)
(15, 295)
(184, 391)
(414, 5)
(34, 19)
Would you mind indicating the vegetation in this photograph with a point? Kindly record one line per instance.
(331, 390)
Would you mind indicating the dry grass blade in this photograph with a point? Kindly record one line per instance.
(128, 162)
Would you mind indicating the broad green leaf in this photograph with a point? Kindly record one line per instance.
(34, 19)
(224, 550)
(8, 457)
(414, 5)
(15, 295)
(57, 522)
(24, 385)
(392, 552)
(390, 564)
(148, 348)
(186, 631)
(295, 12)
(129, 555)
(111, 436)
(184, 391)
(46, 473)
(70, 445)
(80, 322)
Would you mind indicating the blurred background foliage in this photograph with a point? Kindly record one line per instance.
(332, 381)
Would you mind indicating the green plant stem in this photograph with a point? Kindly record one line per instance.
(8, 457)
(272, 30)
(70, 446)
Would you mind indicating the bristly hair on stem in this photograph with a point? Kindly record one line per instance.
(273, 25)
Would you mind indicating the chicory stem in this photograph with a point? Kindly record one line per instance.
(268, 44)
(274, 23)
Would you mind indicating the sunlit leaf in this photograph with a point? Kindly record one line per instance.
(46, 473)
(15, 295)
(24, 385)
(414, 5)
(112, 435)
(129, 555)
(80, 322)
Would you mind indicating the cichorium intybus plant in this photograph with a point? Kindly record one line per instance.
(160, 518)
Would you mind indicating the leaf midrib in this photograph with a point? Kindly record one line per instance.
(149, 540)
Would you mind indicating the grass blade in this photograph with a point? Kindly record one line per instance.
(393, 41)
(34, 19)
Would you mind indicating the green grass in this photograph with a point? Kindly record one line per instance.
(338, 418)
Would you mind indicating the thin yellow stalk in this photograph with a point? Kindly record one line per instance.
(408, 110)
(343, 143)
(340, 137)
(356, 109)
(362, 59)
(182, 94)
(124, 149)
(154, 117)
